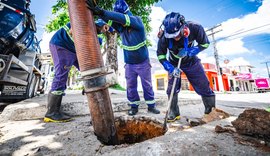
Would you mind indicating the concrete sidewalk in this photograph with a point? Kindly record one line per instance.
(34, 137)
(75, 104)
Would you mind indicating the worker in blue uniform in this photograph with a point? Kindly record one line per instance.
(177, 37)
(136, 56)
(64, 57)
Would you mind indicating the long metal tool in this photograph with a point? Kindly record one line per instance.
(171, 96)
(173, 86)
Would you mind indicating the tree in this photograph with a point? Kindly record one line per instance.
(141, 8)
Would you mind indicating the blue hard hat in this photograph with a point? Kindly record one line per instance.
(100, 22)
(121, 6)
(174, 24)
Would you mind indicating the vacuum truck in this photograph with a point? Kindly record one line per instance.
(20, 64)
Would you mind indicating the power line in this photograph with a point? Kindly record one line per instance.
(244, 31)
(266, 63)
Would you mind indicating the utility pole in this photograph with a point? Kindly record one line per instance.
(219, 70)
(266, 63)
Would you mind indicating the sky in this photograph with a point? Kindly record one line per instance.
(244, 37)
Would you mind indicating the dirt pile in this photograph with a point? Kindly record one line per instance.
(253, 122)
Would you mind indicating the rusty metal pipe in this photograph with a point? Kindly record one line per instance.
(91, 62)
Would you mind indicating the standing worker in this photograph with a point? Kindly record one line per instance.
(176, 34)
(64, 57)
(136, 54)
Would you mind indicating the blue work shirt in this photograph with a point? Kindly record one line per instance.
(165, 45)
(62, 39)
(131, 35)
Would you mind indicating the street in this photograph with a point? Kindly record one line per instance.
(31, 136)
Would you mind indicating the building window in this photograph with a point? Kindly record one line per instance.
(184, 84)
(160, 84)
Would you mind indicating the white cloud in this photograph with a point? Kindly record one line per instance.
(252, 24)
(157, 15)
(44, 44)
(231, 47)
(238, 62)
(206, 58)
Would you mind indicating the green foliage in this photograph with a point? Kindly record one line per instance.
(140, 8)
(117, 87)
(61, 17)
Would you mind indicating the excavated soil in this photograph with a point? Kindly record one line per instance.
(253, 122)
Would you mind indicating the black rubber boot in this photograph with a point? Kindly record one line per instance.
(53, 113)
(174, 113)
(209, 103)
(153, 110)
(133, 111)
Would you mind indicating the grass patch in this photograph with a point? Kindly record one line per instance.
(117, 87)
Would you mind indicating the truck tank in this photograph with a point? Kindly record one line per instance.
(19, 51)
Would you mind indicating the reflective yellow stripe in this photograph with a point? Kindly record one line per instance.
(127, 20)
(57, 92)
(110, 23)
(132, 48)
(150, 102)
(134, 102)
(205, 45)
(160, 57)
(176, 56)
(100, 35)
(67, 30)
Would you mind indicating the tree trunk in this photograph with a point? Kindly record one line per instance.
(110, 48)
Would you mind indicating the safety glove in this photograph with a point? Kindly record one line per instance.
(176, 73)
(173, 71)
(168, 66)
(182, 52)
(193, 51)
(92, 5)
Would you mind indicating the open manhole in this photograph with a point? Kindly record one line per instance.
(134, 129)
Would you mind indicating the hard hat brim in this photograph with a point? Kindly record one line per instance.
(168, 35)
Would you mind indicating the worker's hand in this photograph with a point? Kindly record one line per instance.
(92, 5)
(70, 32)
(168, 66)
(105, 28)
(176, 73)
(182, 53)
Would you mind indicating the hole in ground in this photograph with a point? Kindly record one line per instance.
(135, 129)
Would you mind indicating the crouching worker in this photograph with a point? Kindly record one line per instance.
(177, 39)
(64, 57)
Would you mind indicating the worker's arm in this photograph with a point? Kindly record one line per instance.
(201, 38)
(117, 26)
(162, 49)
(161, 54)
(124, 19)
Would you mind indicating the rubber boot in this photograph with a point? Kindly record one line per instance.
(174, 113)
(153, 109)
(209, 103)
(133, 111)
(53, 113)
